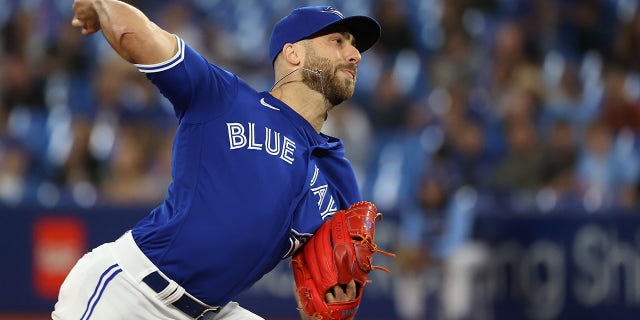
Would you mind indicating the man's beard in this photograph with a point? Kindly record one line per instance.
(326, 82)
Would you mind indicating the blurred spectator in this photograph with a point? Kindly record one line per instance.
(469, 154)
(586, 26)
(507, 55)
(24, 86)
(618, 109)
(397, 35)
(567, 98)
(627, 41)
(435, 243)
(14, 163)
(519, 172)
(604, 174)
(520, 169)
(78, 165)
(537, 19)
(456, 64)
(388, 106)
(15, 33)
(23, 80)
(558, 169)
(128, 180)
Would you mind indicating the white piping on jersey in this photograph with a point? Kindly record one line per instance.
(264, 103)
(162, 66)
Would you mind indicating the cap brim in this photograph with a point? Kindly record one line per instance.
(365, 30)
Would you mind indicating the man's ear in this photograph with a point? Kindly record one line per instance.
(293, 54)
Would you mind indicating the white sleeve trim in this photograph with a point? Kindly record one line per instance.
(162, 66)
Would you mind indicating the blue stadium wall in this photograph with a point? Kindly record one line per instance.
(561, 266)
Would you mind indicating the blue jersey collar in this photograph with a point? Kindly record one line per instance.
(317, 140)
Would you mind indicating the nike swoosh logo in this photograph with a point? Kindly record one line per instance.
(264, 103)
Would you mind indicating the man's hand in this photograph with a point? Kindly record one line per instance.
(85, 17)
(341, 294)
(336, 294)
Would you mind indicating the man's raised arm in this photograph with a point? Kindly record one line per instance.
(131, 34)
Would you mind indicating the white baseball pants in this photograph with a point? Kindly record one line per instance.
(106, 284)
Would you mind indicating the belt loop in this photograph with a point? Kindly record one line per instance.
(171, 293)
(208, 314)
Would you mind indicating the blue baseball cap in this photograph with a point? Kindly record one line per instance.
(304, 22)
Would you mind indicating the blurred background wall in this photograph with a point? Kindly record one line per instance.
(498, 137)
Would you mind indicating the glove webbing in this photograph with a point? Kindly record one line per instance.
(374, 248)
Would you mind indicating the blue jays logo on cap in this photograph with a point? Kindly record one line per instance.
(333, 10)
(305, 22)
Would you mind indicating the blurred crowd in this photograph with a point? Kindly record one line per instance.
(464, 106)
(532, 103)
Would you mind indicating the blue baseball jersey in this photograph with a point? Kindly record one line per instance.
(252, 180)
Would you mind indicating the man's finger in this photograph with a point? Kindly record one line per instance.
(329, 296)
(351, 290)
(77, 23)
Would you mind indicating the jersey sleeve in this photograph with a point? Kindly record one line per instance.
(197, 89)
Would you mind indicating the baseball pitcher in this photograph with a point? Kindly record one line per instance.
(253, 178)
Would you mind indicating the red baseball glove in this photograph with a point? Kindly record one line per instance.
(340, 251)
